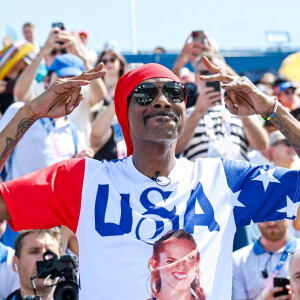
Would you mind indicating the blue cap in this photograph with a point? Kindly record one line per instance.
(285, 85)
(67, 65)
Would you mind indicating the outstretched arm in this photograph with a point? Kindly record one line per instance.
(245, 99)
(22, 88)
(58, 100)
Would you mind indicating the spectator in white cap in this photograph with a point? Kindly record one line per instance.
(282, 153)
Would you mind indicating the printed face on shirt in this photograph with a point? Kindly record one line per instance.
(178, 265)
(33, 247)
(274, 230)
(148, 122)
(295, 277)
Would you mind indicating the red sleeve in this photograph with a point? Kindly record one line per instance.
(46, 198)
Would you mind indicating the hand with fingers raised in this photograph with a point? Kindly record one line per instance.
(63, 95)
(243, 97)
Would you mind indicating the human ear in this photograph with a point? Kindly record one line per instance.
(15, 264)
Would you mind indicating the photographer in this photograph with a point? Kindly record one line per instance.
(30, 246)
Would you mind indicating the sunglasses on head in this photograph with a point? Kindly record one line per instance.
(285, 142)
(112, 60)
(146, 92)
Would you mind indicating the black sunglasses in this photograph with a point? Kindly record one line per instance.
(112, 60)
(55, 51)
(146, 92)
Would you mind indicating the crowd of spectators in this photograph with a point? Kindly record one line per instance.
(260, 252)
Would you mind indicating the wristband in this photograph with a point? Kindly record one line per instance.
(274, 111)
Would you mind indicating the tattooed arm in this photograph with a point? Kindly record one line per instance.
(58, 100)
(289, 127)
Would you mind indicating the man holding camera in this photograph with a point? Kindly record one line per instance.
(30, 246)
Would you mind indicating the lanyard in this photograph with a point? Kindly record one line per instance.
(269, 283)
(52, 129)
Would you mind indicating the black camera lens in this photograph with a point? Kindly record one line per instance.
(66, 290)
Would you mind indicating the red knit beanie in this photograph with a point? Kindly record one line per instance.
(125, 86)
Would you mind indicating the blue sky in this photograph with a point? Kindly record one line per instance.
(232, 23)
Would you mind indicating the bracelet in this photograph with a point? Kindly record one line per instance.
(274, 111)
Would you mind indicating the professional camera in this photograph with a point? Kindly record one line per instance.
(65, 268)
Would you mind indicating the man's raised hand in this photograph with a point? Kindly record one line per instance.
(243, 97)
(63, 95)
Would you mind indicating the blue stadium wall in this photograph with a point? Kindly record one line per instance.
(249, 63)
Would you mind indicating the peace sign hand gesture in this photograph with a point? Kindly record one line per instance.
(63, 95)
(243, 97)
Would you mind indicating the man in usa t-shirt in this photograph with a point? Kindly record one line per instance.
(120, 209)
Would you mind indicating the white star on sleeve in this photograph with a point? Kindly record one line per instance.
(290, 209)
(235, 201)
(266, 177)
(251, 222)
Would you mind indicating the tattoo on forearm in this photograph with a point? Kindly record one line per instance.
(291, 135)
(23, 126)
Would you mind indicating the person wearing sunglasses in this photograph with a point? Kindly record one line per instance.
(281, 151)
(106, 138)
(118, 209)
(116, 66)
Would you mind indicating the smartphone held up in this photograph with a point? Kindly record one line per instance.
(60, 25)
(198, 36)
(281, 282)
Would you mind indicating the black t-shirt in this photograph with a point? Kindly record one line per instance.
(109, 150)
(7, 97)
(16, 295)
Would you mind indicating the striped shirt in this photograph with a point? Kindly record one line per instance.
(217, 124)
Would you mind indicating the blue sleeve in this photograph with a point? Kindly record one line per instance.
(262, 193)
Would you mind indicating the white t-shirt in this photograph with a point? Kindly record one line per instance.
(9, 279)
(118, 213)
(80, 116)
